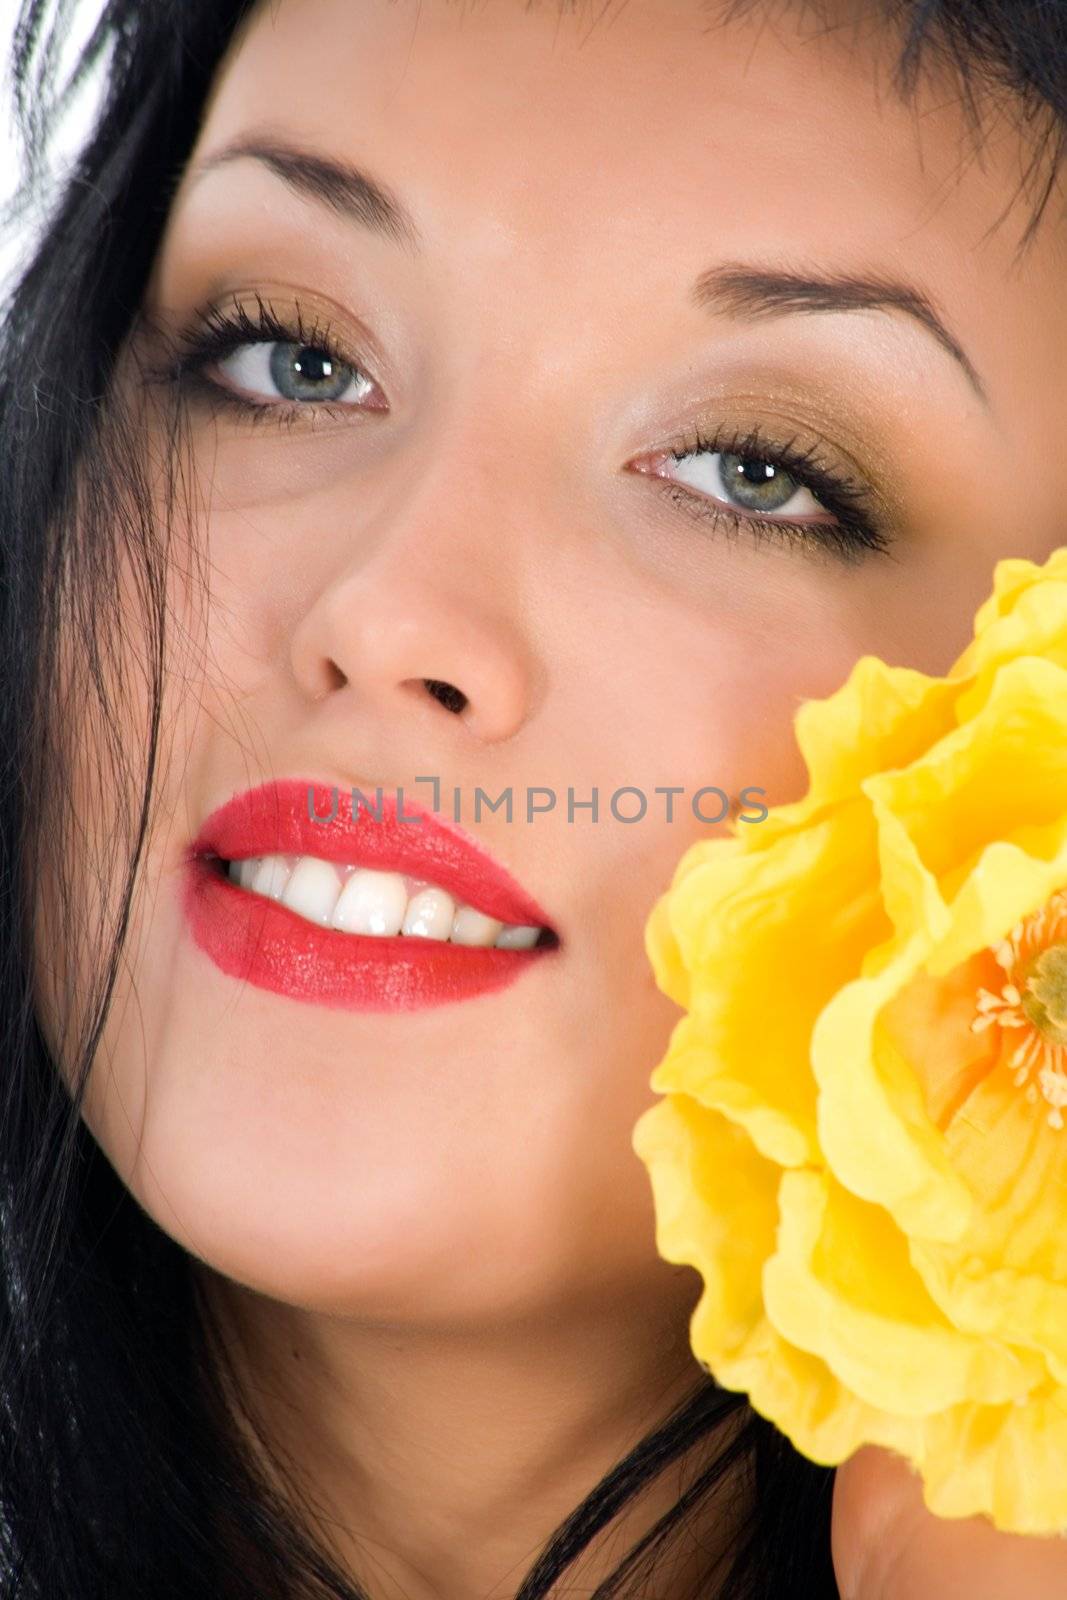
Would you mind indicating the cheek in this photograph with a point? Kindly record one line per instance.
(715, 709)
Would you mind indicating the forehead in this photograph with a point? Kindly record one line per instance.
(557, 109)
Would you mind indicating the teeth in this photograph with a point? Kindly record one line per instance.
(514, 936)
(270, 876)
(472, 927)
(246, 871)
(312, 890)
(365, 901)
(429, 914)
(371, 902)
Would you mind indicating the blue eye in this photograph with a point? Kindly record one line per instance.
(272, 367)
(749, 483)
(285, 370)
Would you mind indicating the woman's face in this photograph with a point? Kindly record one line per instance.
(589, 277)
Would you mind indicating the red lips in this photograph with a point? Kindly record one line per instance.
(259, 941)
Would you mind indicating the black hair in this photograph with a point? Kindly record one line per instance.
(123, 1473)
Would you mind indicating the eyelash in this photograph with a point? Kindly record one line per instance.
(854, 534)
(220, 331)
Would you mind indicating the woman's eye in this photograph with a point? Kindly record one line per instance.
(281, 370)
(747, 483)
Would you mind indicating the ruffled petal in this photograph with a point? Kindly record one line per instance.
(716, 1211)
(1025, 615)
(661, 947)
(880, 717)
(1006, 884)
(743, 1048)
(1002, 777)
(801, 1396)
(1006, 1276)
(1006, 1462)
(875, 1131)
(1013, 578)
(879, 1332)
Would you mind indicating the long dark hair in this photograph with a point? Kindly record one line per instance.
(122, 1472)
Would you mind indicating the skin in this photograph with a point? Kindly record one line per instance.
(427, 1233)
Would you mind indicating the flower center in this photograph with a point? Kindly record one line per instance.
(1034, 1000)
(1045, 1001)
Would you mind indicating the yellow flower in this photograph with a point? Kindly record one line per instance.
(860, 1141)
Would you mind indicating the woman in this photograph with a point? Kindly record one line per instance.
(438, 400)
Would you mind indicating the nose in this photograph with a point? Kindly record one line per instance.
(421, 623)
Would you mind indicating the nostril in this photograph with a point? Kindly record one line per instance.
(451, 698)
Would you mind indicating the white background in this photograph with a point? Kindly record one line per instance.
(14, 240)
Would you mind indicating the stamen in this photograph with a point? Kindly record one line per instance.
(1034, 999)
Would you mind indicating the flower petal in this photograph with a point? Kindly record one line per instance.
(1006, 1276)
(1001, 777)
(874, 1127)
(1005, 885)
(1008, 1462)
(880, 717)
(1024, 615)
(805, 1401)
(755, 989)
(715, 1210)
(879, 1332)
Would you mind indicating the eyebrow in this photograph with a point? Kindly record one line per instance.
(736, 289)
(729, 289)
(348, 190)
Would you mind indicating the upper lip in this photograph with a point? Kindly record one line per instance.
(274, 820)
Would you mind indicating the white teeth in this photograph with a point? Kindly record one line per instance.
(363, 900)
(516, 937)
(312, 890)
(429, 914)
(371, 902)
(270, 877)
(473, 928)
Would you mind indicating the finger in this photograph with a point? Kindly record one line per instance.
(888, 1546)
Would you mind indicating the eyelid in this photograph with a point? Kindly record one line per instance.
(351, 330)
(813, 460)
(856, 525)
(222, 327)
(858, 433)
(290, 304)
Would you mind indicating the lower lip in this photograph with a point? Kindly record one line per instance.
(261, 942)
